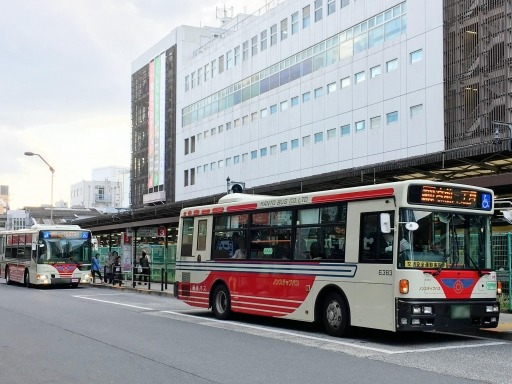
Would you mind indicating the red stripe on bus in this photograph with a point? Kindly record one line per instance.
(243, 207)
(218, 210)
(205, 212)
(354, 195)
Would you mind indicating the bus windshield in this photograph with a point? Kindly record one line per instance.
(64, 250)
(442, 240)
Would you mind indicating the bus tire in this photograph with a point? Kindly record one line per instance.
(26, 279)
(8, 276)
(221, 302)
(335, 314)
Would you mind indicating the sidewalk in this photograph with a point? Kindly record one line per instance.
(503, 331)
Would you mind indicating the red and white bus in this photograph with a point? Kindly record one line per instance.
(404, 256)
(46, 255)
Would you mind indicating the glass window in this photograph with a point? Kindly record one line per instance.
(236, 159)
(360, 125)
(213, 166)
(392, 65)
(187, 235)
(187, 83)
(295, 143)
(331, 87)
(331, 133)
(284, 29)
(236, 123)
(306, 140)
(345, 130)
(319, 136)
(245, 157)
(392, 117)
(344, 3)
(185, 178)
(416, 110)
(318, 10)
(273, 109)
(228, 125)
(295, 101)
(254, 116)
(237, 55)
(214, 67)
(228, 161)
(263, 152)
(254, 155)
(416, 56)
(220, 163)
(284, 105)
(263, 40)
(221, 64)
(254, 44)
(273, 150)
(245, 50)
(392, 29)
(273, 35)
(319, 92)
(213, 131)
(375, 71)
(306, 96)
(375, 36)
(359, 77)
(295, 23)
(306, 16)
(331, 6)
(380, 248)
(375, 122)
(263, 113)
(229, 59)
(345, 82)
(283, 147)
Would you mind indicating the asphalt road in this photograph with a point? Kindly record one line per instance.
(92, 335)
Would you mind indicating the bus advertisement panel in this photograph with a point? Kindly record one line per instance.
(46, 255)
(405, 256)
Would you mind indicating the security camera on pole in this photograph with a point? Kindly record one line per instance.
(235, 186)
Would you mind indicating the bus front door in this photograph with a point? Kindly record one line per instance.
(201, 250)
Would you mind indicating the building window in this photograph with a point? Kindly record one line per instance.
(186, 146)
(192, 144)
(192, 176)
(318, 10)
(306, 96)
(345, 130)
(228, 161)
(416, 56)
(237, 55)
(391, 65)
(263, 152)
(214, 67)
(205, 168)
(273, 150)
(306, 16)
(416, 110)
(236, 159)
(273, 35)
(213, 131)
(254, 43)
(306, 141)
(375, 122)
(360, 125)
(221, 64)
(295, 143)
(345, 82)
(185, 178)
(284, 29)
(374, 71)
(206, 134)
(263, 40)
(331, 88)
(273, 109)
(283, 147)
(319, 136)
(254, 116)
(331, 134)
(263, 113)
(331, 6)
(236, 123)
(187, 83)
(220, 128)
(199, 75)
(245, 50)
(359, 77)
(213, 166)
(344, 3)
(245, 156)
(228, 125)
(284, 105)
(254, 155)
(295, 101)
(192, 80)
(319, 92)
(220, 163)
(245, 120)
(229, 59)
(392, 117)
(295, 23)
(206, 71)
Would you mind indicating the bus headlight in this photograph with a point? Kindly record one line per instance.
(491, 308)
(416, 309)
(427, 310)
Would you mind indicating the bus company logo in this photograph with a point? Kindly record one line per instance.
(65, 268)
(458, 285)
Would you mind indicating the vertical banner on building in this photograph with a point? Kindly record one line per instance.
(156, 122)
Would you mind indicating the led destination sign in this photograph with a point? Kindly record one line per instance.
(449, 196)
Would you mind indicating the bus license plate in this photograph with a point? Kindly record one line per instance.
(75, 280)
(460, 312)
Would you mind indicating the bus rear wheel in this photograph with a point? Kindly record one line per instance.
(8, 276)
(221, 302)
(335, 314)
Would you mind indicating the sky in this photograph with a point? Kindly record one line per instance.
(65, 68)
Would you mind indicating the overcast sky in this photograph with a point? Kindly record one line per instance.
(65, 69)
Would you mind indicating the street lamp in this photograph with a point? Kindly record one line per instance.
(53, 171)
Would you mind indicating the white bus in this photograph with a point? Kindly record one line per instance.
(46, 255)
(405, 256)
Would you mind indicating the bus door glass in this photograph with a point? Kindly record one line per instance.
(373, 251)
(201, 250)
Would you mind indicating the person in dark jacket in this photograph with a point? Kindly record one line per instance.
(144, 263)
(95, 267)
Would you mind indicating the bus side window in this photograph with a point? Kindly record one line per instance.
(374, 246)
(187, 231)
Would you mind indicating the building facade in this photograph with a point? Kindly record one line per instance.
(4, 199)
(310, 87)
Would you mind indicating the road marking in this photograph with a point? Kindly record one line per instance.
(287, 333)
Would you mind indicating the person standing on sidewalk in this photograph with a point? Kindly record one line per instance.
(95, 268)
(144, 263)
(108, 268)
(116, 270)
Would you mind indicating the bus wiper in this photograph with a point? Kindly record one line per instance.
(445, 259)
(480, 273)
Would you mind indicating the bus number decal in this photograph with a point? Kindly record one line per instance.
(385, 272)
(286, 282)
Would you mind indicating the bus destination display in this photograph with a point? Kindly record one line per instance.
(65, 234)
(449, 196)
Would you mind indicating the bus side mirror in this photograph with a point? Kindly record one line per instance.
(385, 223)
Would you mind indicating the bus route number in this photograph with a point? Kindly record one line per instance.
(385, 272)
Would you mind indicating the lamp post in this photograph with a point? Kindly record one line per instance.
(53, 171)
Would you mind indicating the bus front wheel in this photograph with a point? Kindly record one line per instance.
(26, 279)
(221, 302)
(335, 314)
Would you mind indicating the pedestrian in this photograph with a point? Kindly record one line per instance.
(95, 268)
(116, 269)
(108, 268)
(144, 263)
